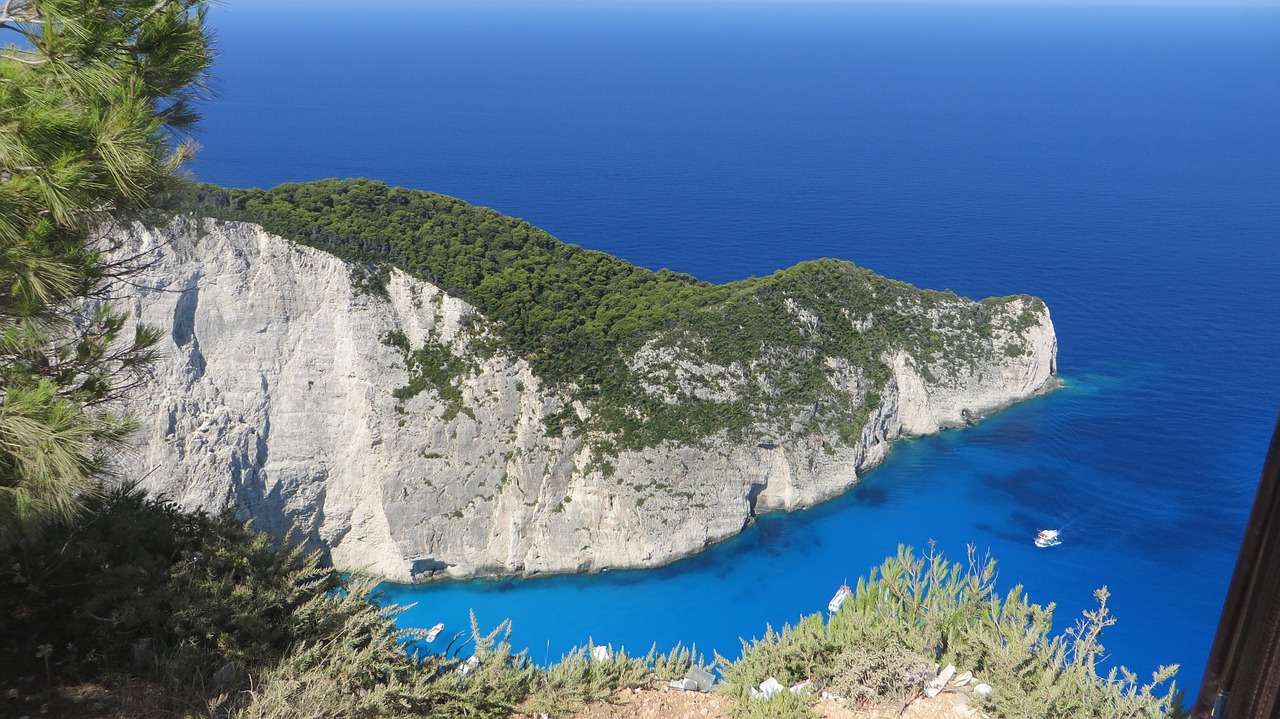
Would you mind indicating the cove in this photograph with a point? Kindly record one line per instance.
(991, 487)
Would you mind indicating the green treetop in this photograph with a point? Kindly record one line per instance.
(94, 97)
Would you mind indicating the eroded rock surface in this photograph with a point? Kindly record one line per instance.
(277, 395)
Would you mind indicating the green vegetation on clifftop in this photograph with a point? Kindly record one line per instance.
(770, 349)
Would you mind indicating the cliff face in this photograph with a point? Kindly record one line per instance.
(277, 395)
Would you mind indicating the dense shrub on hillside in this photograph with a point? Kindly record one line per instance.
(913, 614)
(560, 306)
(139, 590)
(577, 315)
(197, 615)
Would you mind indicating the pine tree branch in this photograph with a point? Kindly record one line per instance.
(155, 10)
(19, 60)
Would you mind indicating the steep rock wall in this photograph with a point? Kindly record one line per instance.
(277, 396)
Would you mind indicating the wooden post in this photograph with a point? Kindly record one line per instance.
(1242, 677)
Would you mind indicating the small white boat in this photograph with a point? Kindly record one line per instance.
(838, 600)
(434, 632)
(1048, 538)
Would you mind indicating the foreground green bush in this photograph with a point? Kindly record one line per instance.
(183, 614)
(914, 613)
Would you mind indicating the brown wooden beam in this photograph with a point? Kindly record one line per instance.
(1242, 676)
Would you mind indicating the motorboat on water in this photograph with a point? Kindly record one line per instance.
(1048, 538)
(838, 600)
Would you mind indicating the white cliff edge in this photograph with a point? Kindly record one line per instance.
(274, 395)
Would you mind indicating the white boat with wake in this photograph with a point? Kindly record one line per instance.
(1048, 538)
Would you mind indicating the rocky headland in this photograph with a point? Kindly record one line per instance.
(402, 429)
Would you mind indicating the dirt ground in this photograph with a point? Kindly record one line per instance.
(666, 703)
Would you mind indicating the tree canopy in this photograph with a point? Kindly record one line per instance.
(579, 317)
(95, 98)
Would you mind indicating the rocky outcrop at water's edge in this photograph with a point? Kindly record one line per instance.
(276, 395)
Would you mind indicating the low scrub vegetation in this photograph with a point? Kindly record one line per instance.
(166, 613)
(914, 614)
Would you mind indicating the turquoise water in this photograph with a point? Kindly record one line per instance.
(992, 486)
(1121, 163)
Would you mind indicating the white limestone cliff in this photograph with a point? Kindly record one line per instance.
(274, 396)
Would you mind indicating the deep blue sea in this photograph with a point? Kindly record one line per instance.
(1122, 163)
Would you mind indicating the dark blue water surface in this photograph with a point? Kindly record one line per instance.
(1121, 163)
